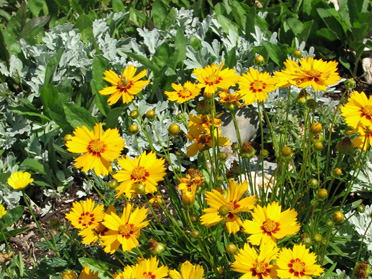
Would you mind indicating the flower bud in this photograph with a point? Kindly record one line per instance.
(264, 153)
(313, 183)
(235, 146)
(259, 60)
(133, 114)
(318, 237)
(181, 117)
(345, 146)
(133, 128)
(220, 270)
(208, 95)
(362, 270)
(307, 241)
(112, 184)
(329, 223)
(302, 97)
(316, 127)
(247, 150)
(188, 197)
(223, 211)
(361, 208)
(140, 188)
(297, 53)
(350, 83)
(231, 249)
(174, 129)
(286, 151)
(338, 217)
(318, 145)
(222, 156)
(195, 234)
(194, 218)
(337, 172)
(150, 114)
(67, 137)
(178, 153)
(316, 137)
(322, 194)
(156, 248)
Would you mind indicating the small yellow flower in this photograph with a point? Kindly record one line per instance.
(313, 72)
(183, 93)
(213, 77)
(254, 265)
(358, 110)
(270, 223)
(98, 148)
(126, 86)
(227, 99)
(146, 169)
(364, 136)
(85, 274)
(254, 86)
(20, 180)
(297, 263)
(2, 211)
(227, 207)
(124, 230)
(188, 271)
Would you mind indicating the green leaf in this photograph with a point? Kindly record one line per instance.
(97, 266)
(33, 116)
(170, 19)
(137, 17)
(113, 117)
(99, 66)
(12, 44)
(276, 54)
(85, 25)
(118, 6)
(145, 62)
(295, 25)
(331, 18)
(100, 100)
(34, 165)
(52, 66)
(227, 24)
(4, 54)
(75, 5)
(306, 30)
(179, 54)
(63, 4)
(56, 262)
(11, 216)
(78, 116)
(159, 13)
(239, 14)
(327, 34)
(35, 7)
(33, 25)
(231, 58)
(12, 233)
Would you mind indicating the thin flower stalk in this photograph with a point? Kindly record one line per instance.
(143, 128)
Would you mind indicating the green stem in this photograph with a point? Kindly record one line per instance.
(6, 241)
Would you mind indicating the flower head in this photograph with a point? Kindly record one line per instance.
(202, 123)
(313, 72)
(85, 274)
(365, 137)
(254, 86)
(256, 266)
(227, 207)
(126, 86)
(188, 271)
(2, 211)
(84, 215)
(124, 230)
(213, 77)
(20, 180)
(183, 93)
(298, 263)
(193, 178)
(98, 148)
(145, 169)
(144, 269)
(270, 224)
(227, 99)
(358, 110)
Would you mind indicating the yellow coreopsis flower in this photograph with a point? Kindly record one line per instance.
(202, 123)
(204, 139)
(2, 211)
(188, 271)
(358, 110)
(124, 230)
(254, 86)
(146, 170)
(20, 180)
(270, 223)
(364, 140)
(85, 215)
(227, 99)
(213, 77)
(298, 263)
(98, 148)
(255, 266)
(193, 178)
(126, 86)
(183, 93)
(227, 209)
(313, 72)
(84, 274)
(145, 268)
